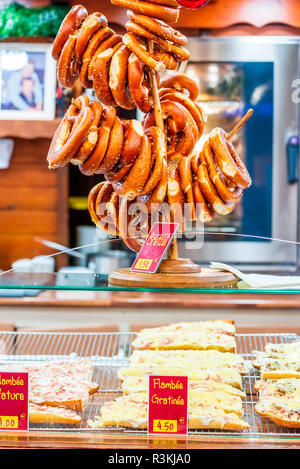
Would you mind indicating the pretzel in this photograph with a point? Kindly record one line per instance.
(133, 43)
(186, 177)
(189, 105)
(179, 52)
(118, 78)
(203, 212)
(99, 197)
(107, 208)
(101, 76)
(93, 46)
(138, 174)
(227, 194)
(175, 120)
(154, 199)
(133, 133)
(69, 26)
(67, 67)
(89, 143)
(181, 83)
(169, 3)
(71, 133)
(112, 40)
(167, 14)
(158, 151)
(176, 197)
(114, 148)
(210, 194)
(174, 116)
(228, 161)
(90, 25)
(158, 27)
(90, 166)
(167, 59)
(139, 84)
(127, 224)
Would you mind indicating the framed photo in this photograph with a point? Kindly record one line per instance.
(27, 82)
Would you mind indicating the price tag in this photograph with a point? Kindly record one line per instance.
(153, 249)
(14, 401)
(168, 405)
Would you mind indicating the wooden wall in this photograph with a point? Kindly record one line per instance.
(32, 203)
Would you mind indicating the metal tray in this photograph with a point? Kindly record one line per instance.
(110, 351)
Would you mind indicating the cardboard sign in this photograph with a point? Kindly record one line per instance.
(153, 249)
(14, 401)
(168, 405)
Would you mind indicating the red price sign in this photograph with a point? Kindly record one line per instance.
(168, 405)
(14, 399)
(153, 249)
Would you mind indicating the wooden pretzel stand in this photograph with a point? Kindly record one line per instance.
(174, 272)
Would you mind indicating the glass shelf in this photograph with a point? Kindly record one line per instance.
(35, 282)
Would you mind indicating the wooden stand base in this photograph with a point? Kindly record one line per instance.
(174, 273)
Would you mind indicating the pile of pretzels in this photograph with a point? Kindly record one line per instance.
(88, 50)
(144, 166)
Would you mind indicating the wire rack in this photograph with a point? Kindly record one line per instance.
(110, 351)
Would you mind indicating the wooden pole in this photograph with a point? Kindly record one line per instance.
(240, 124)
(173, 249)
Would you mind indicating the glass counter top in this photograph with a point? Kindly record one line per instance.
(34, 282)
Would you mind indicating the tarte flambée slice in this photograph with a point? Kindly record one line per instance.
(184, 340)
(224, 375)
(192, 358)
(50, 415)
(134, 384)
(279, 401)
(131, 412)
(217, 326)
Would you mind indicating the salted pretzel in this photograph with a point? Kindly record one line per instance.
(91, 139)
(101, 79)
(140, 50)
(70, 133)
(67, 66)
(93, 48)
(130, 217)
(228, 161)
(91, 165)
(119, 80)
(179, 52)
(169, 14)
(139, 85)
(144, 167)
(69, 26)
(181, 83)
(138, 174)
(98, 202)
(181, 129)
(133, 133)
(154, 199)
(176, 196)
(158, 28)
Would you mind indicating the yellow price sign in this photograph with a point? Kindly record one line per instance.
(168, 426)
(143, 264)
(8, 422)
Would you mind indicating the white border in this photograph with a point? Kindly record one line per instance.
(49, 83)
